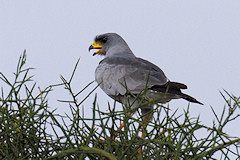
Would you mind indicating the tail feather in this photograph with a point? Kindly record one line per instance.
(175, 89)
(176, 85)
(190, 99)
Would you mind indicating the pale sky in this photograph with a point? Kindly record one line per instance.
(193, 42)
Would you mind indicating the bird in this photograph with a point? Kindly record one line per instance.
(122, 75)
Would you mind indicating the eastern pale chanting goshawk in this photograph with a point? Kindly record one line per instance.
(121, 74)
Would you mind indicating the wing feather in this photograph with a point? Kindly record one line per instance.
(117, 71)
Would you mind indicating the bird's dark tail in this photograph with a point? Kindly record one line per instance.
(175, 89)
(189, 98)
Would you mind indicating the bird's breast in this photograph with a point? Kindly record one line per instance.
(109, 77)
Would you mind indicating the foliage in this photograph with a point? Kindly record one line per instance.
(25, 119)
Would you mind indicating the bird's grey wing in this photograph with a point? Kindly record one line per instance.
(113, 73)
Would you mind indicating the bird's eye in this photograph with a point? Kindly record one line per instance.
(104, 39)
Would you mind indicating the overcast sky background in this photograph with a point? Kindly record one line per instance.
(193, 42)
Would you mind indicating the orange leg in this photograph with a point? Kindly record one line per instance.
(101, 140)
(122, 125)
(143, 128)
(119, 129)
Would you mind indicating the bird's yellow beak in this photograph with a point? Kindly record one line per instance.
(96, 45)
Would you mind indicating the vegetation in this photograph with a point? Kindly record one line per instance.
(31, 129)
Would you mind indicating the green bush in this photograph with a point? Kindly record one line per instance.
(25, 119)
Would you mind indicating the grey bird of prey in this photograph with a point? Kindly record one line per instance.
(121, 71)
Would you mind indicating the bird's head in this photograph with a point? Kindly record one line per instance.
(109, 44)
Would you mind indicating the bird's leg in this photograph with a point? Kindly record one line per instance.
(128, 102)
(145, 119)
(102, 140)
(144, 125)
(119, 129)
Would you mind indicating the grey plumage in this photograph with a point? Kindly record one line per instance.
(121, 67)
